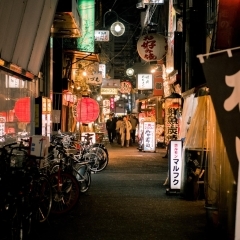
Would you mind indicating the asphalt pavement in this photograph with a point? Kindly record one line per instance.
(128, 201)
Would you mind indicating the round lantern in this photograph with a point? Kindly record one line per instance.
(152, 47)
(87, 110)
(125, 87)
(22, 109)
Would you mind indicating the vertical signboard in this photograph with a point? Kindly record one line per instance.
(175, 163)
(158, 83)
(149, 136)
(102, 69)
(86, 42)
(172, 113)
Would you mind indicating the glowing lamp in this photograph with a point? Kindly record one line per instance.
(87, 110)
(22, 109)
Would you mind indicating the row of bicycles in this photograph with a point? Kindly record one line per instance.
(33, 188)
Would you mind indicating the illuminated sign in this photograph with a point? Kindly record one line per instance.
(153, 2)
(172, 110)
(109, 91)
(152, 47)
(125, 87)
(95, 79)
(149, 142)
(145, 81)
(101, 35)
(175, 168)
(13, 82)
(112, 103)
(85, 134)
(102, 69)
(86, 42)
(106, 106)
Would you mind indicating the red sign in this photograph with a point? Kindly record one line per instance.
(22, 109)
(125, 87)
(112, 104)
(157, 84)
(152, 47)
(228, 27)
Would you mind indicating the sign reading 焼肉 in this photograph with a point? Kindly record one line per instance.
(175, 162)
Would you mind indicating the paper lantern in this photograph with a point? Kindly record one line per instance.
(125, 87)
(87, 110)
(22, 109)
(68, 97)
(152, 47)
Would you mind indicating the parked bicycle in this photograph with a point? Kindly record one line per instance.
(26, 193)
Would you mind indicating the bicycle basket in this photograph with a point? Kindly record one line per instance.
(18, 158)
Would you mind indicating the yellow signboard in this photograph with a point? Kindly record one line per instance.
(109, 91)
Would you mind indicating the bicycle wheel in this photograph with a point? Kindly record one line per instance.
(43, 198)
(83, 176)
(102, 158)
(21, 224)
(66, 192)
(93, 159)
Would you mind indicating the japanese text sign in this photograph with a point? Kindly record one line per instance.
(152, 47)
(101, 35)
(175, 164)
(145, 81)
(149, 142)
(95, 79)
(125, 87)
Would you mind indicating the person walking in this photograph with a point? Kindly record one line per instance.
(134, 122)
(110, 128)
(114, 133)
(125, 129)
(118, 125)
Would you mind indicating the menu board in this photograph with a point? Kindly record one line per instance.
(149, 136)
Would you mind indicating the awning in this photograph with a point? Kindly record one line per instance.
(94, 57)
(25, 30)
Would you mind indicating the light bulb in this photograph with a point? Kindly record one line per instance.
(117, 28)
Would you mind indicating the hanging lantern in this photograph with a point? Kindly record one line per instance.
(68, 97)
(152, 47)
(22, 109)
(87, 110)
(125, 87)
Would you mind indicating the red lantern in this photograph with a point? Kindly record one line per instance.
(22, 109)
(87, 110)
(152, 47)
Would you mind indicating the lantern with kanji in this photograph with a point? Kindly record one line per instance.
(68, 98)
(87, 110)
(152, 47)
(22, 110)
(125, 87)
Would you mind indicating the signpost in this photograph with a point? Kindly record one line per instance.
(175, 166)
(149, 136)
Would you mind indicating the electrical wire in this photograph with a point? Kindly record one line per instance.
(126, 43)
(113, 4)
